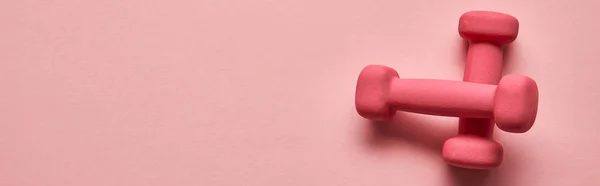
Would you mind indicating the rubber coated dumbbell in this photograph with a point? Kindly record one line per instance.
(487, 33)
(513, 102)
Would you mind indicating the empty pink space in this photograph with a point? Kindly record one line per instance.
(261, 93)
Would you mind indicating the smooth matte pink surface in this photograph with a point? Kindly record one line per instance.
(484, 64)
(488, 26)
(472, 152)
(443, 97)
(512, 103)
(373, 93)
(516, 103)
(261, 93)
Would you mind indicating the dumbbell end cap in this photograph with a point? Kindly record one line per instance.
(516, 103)
(372, 89)
(472, 152)
(488, 26)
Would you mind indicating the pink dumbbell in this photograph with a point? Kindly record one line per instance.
(513, 102)
(487, 33)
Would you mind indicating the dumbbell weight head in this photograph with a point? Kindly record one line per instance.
(516, 103)
(472, 152)
(487, 26)
(372, 90)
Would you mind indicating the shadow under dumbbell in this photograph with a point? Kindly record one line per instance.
(413, 129)
(420, 130)
(504, 175)
(468, 177)
(461, 51)
(510, 57)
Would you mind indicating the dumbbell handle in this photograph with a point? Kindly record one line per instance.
(442, 97)
(484, 63)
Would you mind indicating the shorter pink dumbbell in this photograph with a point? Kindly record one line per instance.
(512, 103)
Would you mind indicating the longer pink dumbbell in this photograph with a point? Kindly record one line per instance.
(487, 33)
(513, 102)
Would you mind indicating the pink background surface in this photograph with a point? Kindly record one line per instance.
(239, 92)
